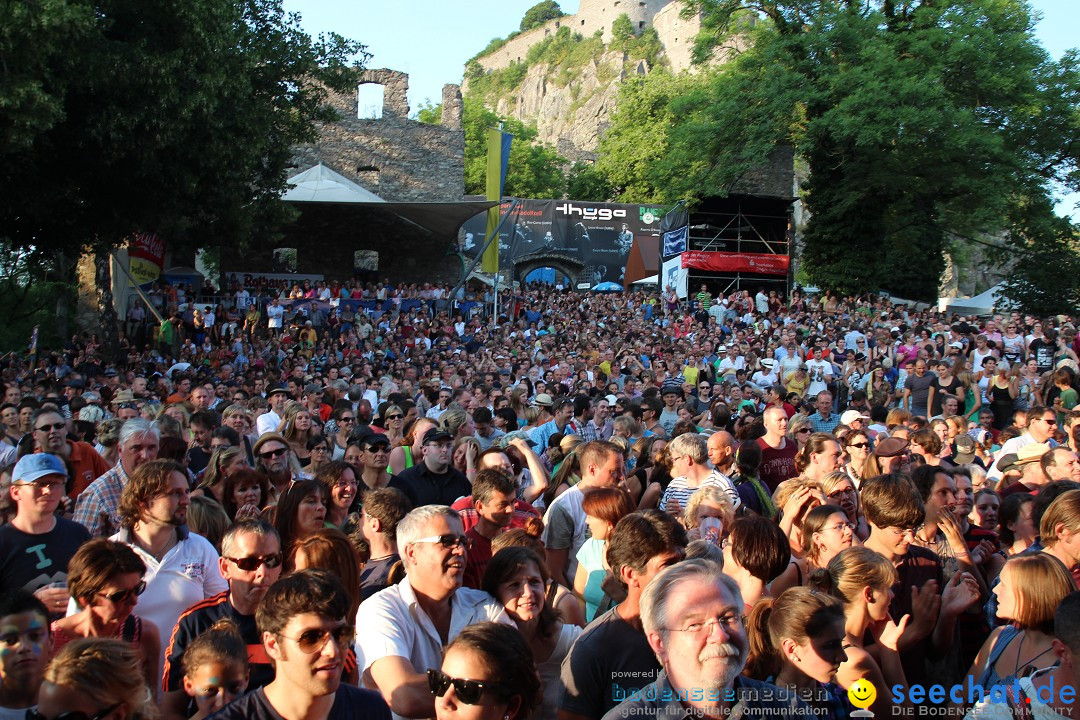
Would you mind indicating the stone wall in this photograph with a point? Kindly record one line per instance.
(394, 157)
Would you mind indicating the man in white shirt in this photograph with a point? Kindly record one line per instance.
(269, 421)
(820, 371)
(274, 315)
(767, 375)
(405, 627)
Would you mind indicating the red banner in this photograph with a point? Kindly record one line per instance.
(763, 263)
(146, 256)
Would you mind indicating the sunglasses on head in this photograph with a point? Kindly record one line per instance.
(467, 691)
(33, 714)
(248, 564)
(124, 595)
(273, 453)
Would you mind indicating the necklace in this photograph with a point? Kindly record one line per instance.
(1018, 665)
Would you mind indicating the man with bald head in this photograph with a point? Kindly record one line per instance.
(777, 450)
(721, 447)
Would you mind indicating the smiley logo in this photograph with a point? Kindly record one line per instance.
(862, 693)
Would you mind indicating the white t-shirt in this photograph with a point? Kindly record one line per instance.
(564, 526)
(820, 372)
(274, 314)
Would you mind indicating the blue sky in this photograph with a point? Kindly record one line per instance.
(432, 39)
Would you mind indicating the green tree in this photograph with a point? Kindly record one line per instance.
(540, 13)
(622, 32)
(915, 121)
(1044, 253)
(534, 170)
(177, 117)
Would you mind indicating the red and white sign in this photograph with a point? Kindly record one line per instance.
(763, 263)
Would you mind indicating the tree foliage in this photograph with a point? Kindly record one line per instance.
(915, 120)
(539, 14)
(534, 171)
(177, 116)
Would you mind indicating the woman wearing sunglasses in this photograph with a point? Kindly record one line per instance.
(487, 673)
(856, 449)
(94, 679)
(393, 425)
(105, 579)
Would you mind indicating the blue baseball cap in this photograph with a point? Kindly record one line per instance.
(36, 466)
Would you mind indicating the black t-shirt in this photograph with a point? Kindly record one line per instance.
(196, 620)
(350, 703)
(610, 656)
(375, 576)
(424, 487)
(1043, 352)
(33, 561)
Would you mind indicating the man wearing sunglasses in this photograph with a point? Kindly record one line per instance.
(36, 546)
(250, 562)
(407, 626)
(306, 636)
(50, 431)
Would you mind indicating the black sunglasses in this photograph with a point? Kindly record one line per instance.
(273, 453)
(124, 595)
(33, 714)
(54, 426)
(394, 417)
(248, 564)
(467, 691)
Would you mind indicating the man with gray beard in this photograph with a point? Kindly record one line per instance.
(692, 614)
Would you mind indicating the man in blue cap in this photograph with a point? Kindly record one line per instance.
(36, 545)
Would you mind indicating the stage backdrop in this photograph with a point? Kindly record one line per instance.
(599, 235)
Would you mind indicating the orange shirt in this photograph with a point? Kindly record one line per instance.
(86, 466)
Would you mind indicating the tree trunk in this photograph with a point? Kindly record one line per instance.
(63, 307)
(109, 332)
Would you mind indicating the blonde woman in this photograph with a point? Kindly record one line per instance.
(296, 428)
(393, 422)
(799, 429)
(96, 677)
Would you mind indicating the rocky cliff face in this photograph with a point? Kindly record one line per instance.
(573, 115)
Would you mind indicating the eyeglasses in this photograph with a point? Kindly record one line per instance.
(312, 641)
(841, 527)
(467, 691)
(50, 428)
(33, 714)
(861, 446)
(448, 541)
(394, 417)
(249, 564)
(1049, 421)
(320, 449)
(729, 622)
(41, 485)
(902, 532)
(273, 453)
(124, 595)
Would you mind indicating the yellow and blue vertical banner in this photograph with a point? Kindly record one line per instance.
(498, 159)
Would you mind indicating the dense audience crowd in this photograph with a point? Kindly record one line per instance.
(367, 500)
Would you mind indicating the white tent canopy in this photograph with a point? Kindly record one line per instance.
(981, 304)
(321, 184)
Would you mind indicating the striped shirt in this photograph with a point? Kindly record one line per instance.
(679, 491)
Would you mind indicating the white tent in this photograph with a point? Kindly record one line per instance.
(981, 304)
(651, 280)
(321, 184)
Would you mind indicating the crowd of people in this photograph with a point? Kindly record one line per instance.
(590, 506)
